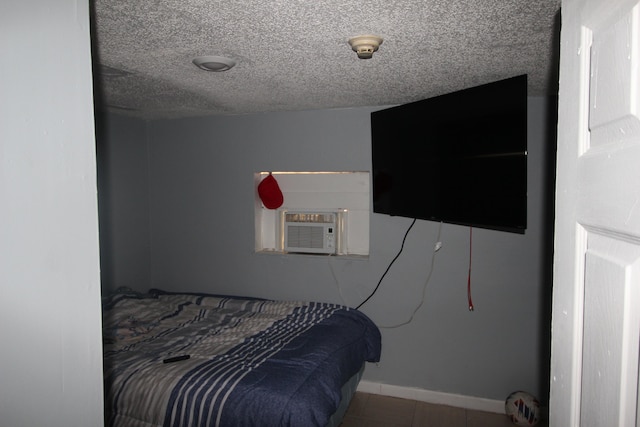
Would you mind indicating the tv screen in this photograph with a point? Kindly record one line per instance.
(459, 158)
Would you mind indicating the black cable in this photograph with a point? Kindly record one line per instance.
(388, 267)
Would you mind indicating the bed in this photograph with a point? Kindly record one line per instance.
(184, 359)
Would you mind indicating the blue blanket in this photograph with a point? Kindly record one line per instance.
(251, 362)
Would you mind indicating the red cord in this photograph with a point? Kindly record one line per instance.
(469, 276)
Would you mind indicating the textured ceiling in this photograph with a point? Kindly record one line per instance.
(294, 54)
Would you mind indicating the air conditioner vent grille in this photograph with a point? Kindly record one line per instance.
(308, 237)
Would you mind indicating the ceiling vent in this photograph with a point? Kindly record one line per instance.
(106, 71)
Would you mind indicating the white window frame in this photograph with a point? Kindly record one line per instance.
(346, 192)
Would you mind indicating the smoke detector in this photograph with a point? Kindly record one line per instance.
(365, 45)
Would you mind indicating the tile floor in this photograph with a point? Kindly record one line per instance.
(372, 410)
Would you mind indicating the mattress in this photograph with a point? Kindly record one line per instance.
(184, 359)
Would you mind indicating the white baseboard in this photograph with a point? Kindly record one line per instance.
(436, 397)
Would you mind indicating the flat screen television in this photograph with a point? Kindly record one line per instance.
(458, 158)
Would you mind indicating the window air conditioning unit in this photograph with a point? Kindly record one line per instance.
(311, 232)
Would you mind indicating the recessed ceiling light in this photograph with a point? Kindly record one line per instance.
(214, 63)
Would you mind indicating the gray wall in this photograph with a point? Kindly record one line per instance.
(123, 178)
(201, 199)
(50, 323)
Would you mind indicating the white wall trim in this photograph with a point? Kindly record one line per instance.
(436, 397)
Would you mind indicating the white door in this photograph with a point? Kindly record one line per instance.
(596, 296)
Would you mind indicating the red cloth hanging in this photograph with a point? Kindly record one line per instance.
(270, 193)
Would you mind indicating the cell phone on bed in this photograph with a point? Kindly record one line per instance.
(176, 358)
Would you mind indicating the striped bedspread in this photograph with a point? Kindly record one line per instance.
(250, 362)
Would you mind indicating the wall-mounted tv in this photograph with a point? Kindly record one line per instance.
(458, 158)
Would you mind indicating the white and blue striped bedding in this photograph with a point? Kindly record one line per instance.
(251, 362)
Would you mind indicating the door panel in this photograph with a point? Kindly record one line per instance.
(614, 81)
(611, 332)
(596, 296)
